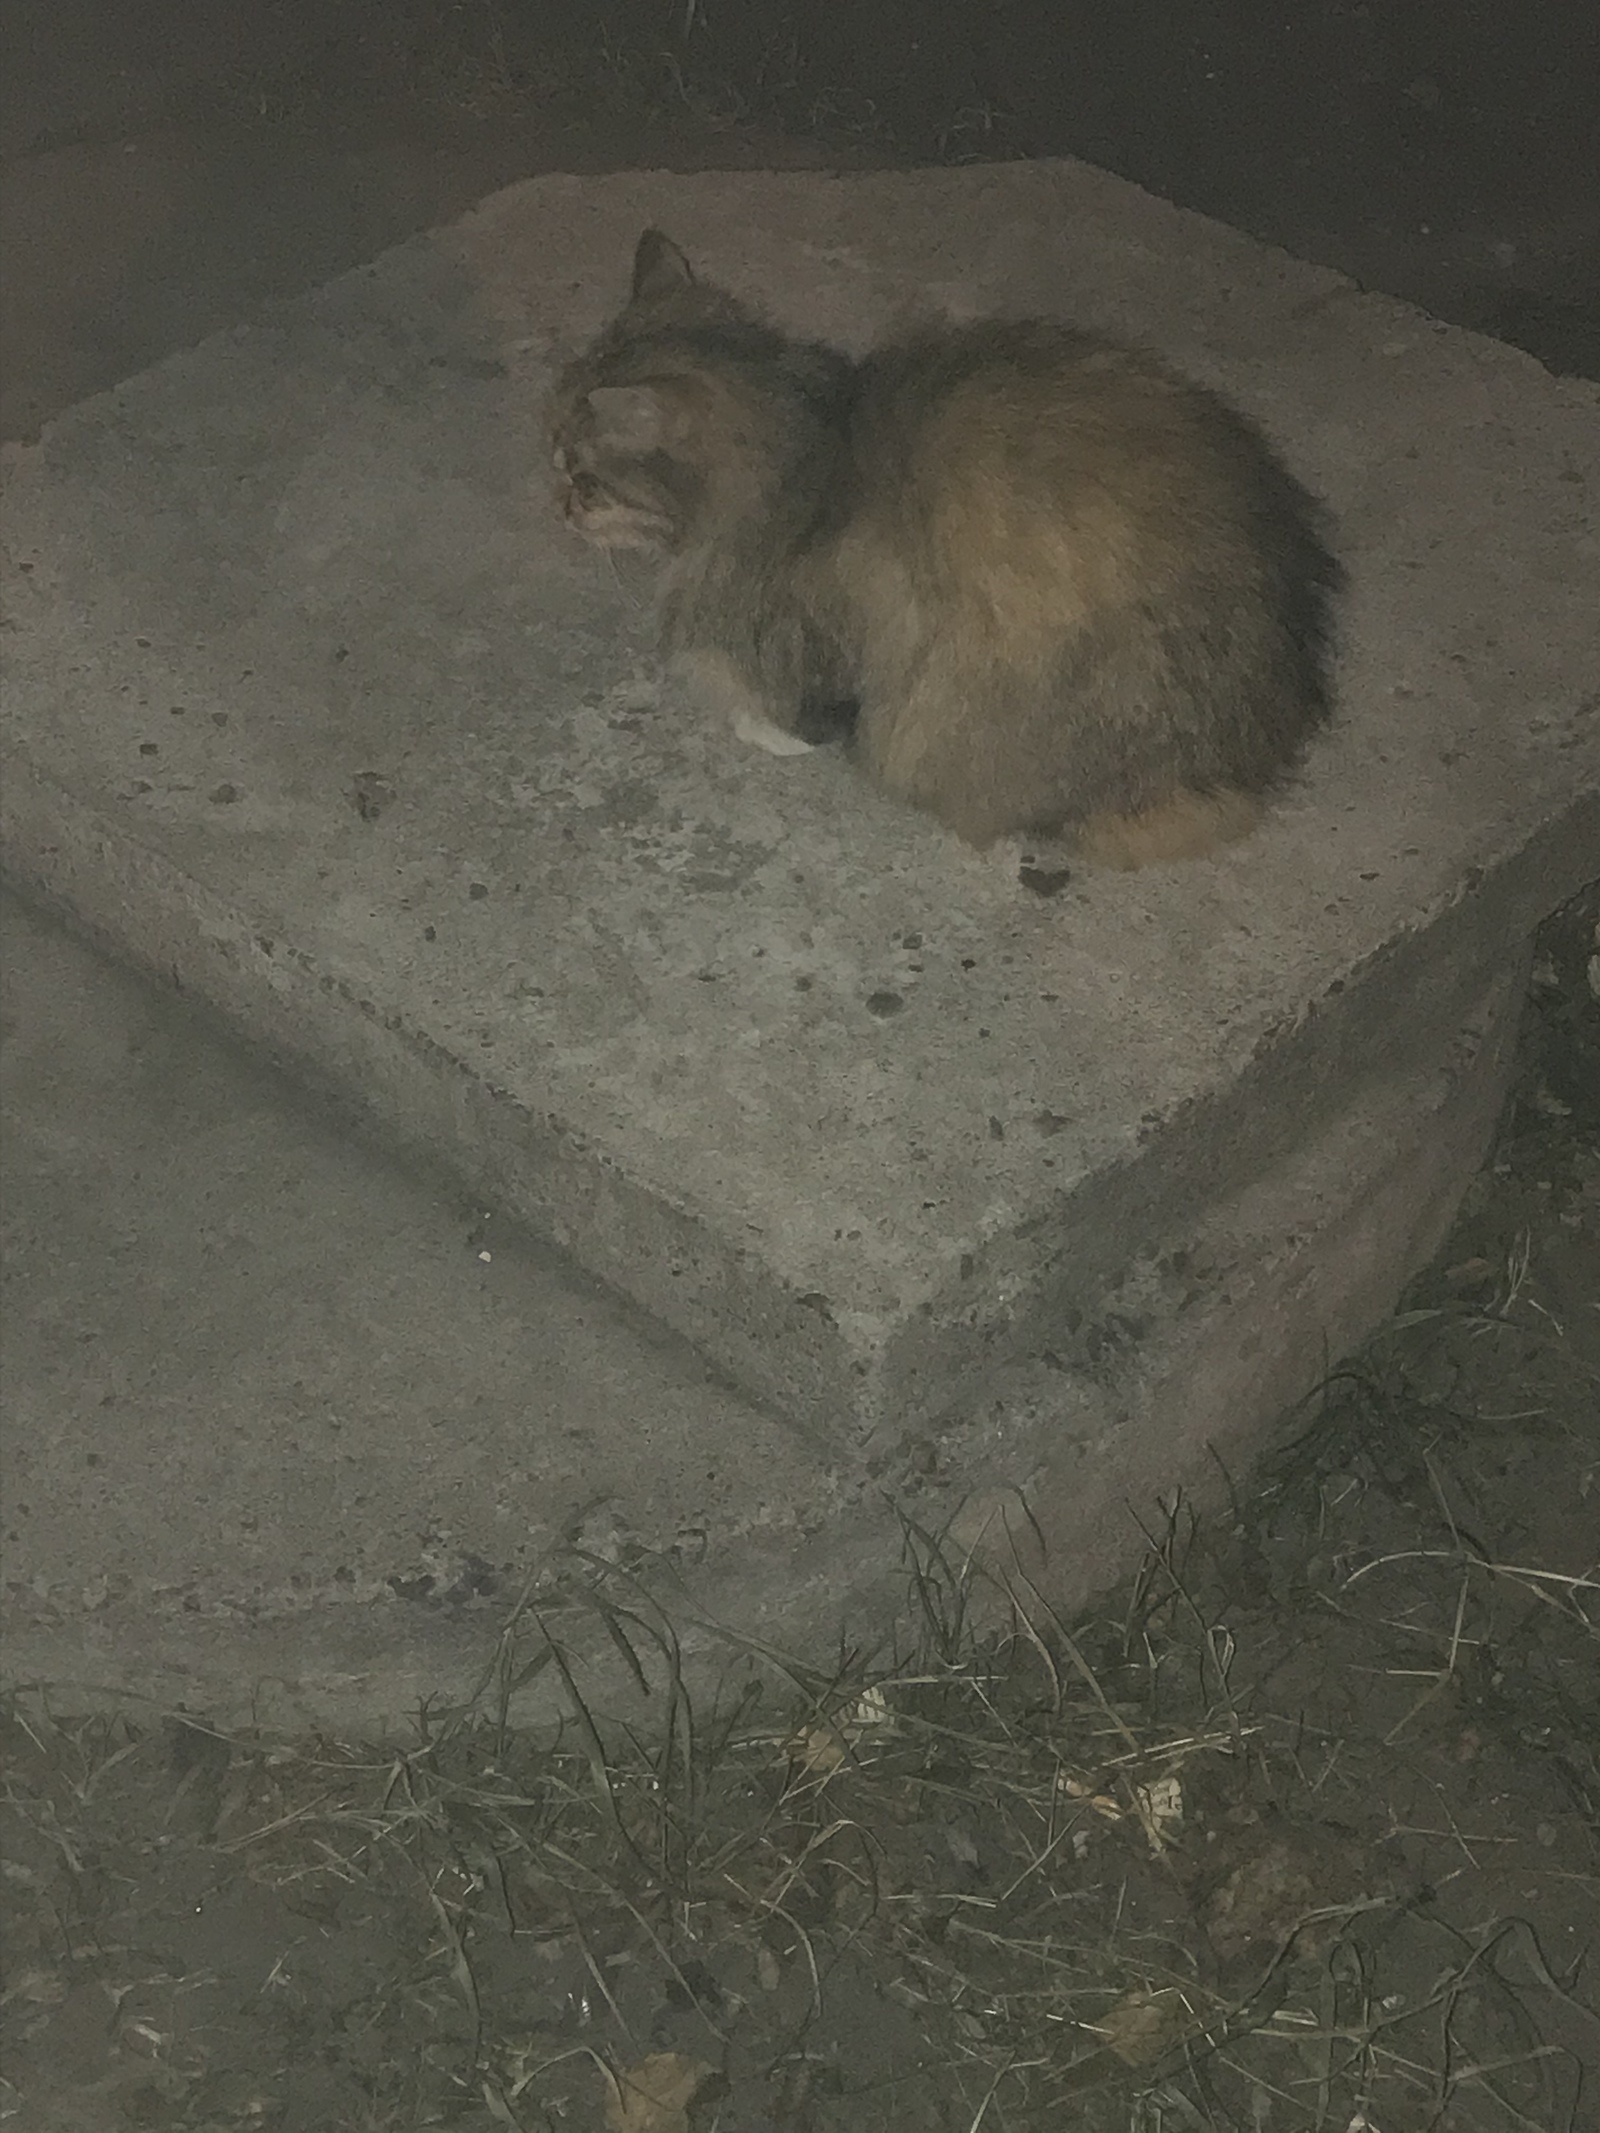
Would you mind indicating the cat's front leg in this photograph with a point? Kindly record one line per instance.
(714, 678)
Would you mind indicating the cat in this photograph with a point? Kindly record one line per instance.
(1035, 581)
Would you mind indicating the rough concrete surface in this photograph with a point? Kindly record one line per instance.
(313, 708)
(286, 1427)
(289, 1430)
(772, 1057)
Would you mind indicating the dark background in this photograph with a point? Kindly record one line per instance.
(1444, 150)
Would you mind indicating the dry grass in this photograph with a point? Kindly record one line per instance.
(1098, 1876)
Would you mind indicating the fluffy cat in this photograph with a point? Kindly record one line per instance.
(1039, 583)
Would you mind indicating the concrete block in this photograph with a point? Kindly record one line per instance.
(313, 708)
(293, 1437)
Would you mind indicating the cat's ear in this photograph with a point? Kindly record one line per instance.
(632, 418)
(658, 268)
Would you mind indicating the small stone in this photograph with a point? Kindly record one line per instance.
(370, 794)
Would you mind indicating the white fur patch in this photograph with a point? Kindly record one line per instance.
(760, 732)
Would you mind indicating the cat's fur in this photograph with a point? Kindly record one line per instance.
(1041, 583)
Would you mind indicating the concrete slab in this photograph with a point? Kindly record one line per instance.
(292, 1435)
(313, 708)
(288, 1431)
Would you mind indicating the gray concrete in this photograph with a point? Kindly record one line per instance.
(291, 1433)
(1186, 1131)
(289, 1430)
(636, 981)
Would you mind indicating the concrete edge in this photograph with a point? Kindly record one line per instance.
(978, 1501)
(140, 906)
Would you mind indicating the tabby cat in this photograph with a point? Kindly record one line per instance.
(1037, 582)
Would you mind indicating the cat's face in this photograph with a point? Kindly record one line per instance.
(625, 445)
(619, 481)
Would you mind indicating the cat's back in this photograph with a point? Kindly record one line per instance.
(1003, 363)
(1003, 422)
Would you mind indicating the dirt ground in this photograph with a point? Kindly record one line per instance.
(1301, 1828)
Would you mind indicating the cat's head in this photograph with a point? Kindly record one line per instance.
(629, 426)
(679, 417)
